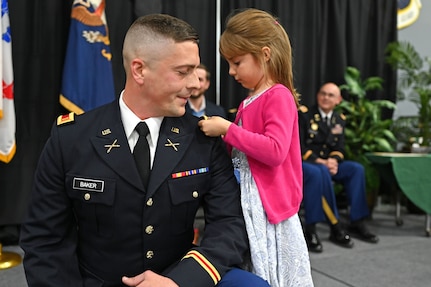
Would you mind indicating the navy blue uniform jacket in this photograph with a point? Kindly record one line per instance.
(318, 139)
(211, 109)
(91, 221)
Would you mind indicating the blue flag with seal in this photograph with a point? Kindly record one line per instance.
(87, 75)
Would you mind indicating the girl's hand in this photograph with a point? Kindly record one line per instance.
(214, 126)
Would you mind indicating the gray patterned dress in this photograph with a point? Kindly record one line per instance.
(278, 251)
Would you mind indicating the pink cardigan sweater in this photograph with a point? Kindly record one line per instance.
(269, 136)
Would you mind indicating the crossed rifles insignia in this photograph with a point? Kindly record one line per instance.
(115, 145)
(171, 144)
(111, 146)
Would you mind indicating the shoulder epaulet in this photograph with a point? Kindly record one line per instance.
(68, 118)
(343, 117)
(303, 109)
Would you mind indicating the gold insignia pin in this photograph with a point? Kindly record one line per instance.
(175, 130)
(314, 126)
(63, 119)
(106, 132)
(111, 146)
(173, 145)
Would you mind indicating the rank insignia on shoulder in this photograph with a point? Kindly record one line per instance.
(343, 117)
(303, 109)
(63, 119)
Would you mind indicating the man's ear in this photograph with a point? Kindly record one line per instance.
(339, 100)
(137, 70)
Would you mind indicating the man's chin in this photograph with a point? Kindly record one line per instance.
(180, 112)
(195, 96)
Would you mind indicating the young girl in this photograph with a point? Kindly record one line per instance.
(265, 148)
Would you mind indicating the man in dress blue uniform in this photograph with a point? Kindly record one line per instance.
(322, 147)
(94, 221)
(198, 105)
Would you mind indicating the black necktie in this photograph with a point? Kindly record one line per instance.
(326, 120)
(141, 152)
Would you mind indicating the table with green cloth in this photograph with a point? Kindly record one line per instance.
(412, 173)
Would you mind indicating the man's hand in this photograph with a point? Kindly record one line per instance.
(330, 163)
(149, 279)
(214, 126)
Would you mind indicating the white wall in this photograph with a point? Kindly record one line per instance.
(419, 35)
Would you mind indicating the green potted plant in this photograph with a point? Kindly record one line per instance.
(414, 84)
(366, 131)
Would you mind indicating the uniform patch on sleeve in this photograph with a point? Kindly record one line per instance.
(68, 118)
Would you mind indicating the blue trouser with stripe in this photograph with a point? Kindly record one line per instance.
(318, 183)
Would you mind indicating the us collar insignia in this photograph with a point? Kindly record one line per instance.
(175, 130)
(106, 132)
(111, 146)
(171, 144)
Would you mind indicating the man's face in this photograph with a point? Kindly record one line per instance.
(203, 82)
(168, 83)
(328, 97)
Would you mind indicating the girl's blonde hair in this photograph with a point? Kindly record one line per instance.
(248, 31)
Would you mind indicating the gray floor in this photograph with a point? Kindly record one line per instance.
(401, 258)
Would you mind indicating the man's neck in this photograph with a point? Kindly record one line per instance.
(326, 113)
(196, 103)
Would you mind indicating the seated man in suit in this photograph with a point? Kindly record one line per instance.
(322, 147)
(197, 104)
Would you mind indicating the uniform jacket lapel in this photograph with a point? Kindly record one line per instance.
(174, 140)
(318, 118)
(112, 146)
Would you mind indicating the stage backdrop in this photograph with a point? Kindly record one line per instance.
(326, 37)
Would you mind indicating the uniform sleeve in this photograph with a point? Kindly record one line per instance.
(306, 151)
(337, 139)
(48, 234)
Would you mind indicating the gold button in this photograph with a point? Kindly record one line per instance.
(150, 202)
(149, 229)
(150, 254)
(195, 194)
(87, 196)
(322, 153)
